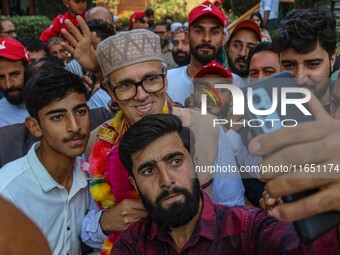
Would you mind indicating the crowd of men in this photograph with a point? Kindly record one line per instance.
(106, 147)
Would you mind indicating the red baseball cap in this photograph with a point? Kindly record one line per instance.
(247, 24)
(207, 8)
(13, 50)
(213, 68)
(136, 16)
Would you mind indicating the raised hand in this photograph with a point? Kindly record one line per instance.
(315, 147)
(82, 45)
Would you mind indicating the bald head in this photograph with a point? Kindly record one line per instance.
(18, 233)
(99, 12)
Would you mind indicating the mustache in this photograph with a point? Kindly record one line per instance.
(181, 51)
(74, 136)
(205, 45)
(176, 190)
(241, 58)
(13, 89)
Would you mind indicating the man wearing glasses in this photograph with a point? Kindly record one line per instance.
(7, 29)
(131, 64)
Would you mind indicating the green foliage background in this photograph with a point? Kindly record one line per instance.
(30, 25)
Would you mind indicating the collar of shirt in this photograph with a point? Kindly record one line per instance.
(46, 181)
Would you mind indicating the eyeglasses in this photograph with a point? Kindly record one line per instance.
(10, 32)
(128, 90)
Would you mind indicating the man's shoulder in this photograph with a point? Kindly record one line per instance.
(176, 71)
(137, 231)
(13, 171)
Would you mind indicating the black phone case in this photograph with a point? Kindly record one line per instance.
(312, 227)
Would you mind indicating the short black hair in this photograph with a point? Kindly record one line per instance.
(263, 46)
(162, 23)
(168, 17)
(36, 45)
(301, 30)
(102, 28)
(147, 130)
(50, 84)
(149, 12)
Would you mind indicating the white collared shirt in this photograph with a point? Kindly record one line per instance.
(58, 213)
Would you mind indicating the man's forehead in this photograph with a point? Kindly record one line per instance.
(149, 67)
(159, 148)
(205, 20)
(291, 54)
(245, 36)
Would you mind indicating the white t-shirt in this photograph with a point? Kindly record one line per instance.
(58, 213)
(11, 114)
(270, 5)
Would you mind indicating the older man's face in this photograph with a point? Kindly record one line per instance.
(143, 103)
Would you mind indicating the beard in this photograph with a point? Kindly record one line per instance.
(178, 213)
(205, 59)
(181, 60)
(14, 99)
(164, 42)
(234, 69)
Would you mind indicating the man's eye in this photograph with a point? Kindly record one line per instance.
(237, 45)
(16, 74)
(125, 86)
(253, 74)
(314, 64)
(288, 66)
(81, 112)
(148, 171)
(57, 117)
(176, 162)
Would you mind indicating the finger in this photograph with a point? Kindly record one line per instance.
(95, 40)
(83, 26)
(72, 41)
(309, 131)
(74, 31)
(262, 204)
(87, 74)
(279, 187)
(318, 111)
(322, 201)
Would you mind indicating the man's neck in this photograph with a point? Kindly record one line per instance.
(181, 235)
(61, 169)
(194, 66)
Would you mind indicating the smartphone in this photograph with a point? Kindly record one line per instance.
(312, 227)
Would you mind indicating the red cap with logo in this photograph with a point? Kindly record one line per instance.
(247, 24)
(13, 50)
(136, 16)
(213, 68)
(207, 8)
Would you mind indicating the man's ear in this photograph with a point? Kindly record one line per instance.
(33, 126)
(332, 59)
(133, 182)
(108, 90)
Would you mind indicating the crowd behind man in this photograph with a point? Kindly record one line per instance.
(130, 187)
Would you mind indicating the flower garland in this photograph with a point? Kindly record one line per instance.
(109, 184)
